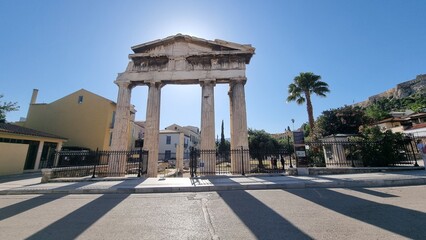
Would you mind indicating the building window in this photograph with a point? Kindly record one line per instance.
(168, 139)
(80, 99)
(167, 155)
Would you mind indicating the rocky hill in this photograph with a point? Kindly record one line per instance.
(402, 90)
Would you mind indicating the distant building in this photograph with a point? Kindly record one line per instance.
(193, 133)
(171, 137)
(395, 124)
(418, 125)
(138, 132)
(412, 123)
(84, 118)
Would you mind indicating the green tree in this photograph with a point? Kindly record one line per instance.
(262, 145)
(303, 87)
(223, 146)
(345, 120)
(380, 108)
(6, 107)
(376, 112)
(306, 129)
(381, 149)
(417, 103)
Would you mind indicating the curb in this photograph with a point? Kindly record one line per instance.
(166, 189)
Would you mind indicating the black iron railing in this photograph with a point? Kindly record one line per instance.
(318, 154)
(238, 161)
(361, 153)
(98, 163)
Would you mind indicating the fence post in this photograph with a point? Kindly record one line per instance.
(289, 150)
(412, 150)
(242, 161)
(351, 154)
(191, 162)
(140, 160)
(95, 162)
(146, 160)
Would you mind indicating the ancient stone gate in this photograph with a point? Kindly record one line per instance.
(183, 59)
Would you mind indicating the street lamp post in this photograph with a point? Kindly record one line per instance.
(288, 143)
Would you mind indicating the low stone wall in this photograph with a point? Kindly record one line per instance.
(350, 170)
(52, 173)
(82, 171)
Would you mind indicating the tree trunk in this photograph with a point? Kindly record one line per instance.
(310, 111)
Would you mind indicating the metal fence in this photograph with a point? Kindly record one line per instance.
(238, 161)
(318, 154)
(97, 163)
(361, 154)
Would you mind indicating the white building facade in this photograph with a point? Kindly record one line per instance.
(174, 136)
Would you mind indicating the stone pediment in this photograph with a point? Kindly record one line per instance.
(188, 45)
(183, 52)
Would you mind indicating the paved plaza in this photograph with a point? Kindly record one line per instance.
(309, 213)
(30, 183)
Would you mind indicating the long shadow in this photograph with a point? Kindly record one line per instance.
(262, 221)
(18, 177)
(75, 223)
(374, 193)
(406, 222)
(29, 204)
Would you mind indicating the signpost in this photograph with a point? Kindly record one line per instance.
(299, 149)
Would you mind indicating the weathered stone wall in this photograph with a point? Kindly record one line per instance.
(401, 90)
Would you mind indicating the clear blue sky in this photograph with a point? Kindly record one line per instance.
(360, 48)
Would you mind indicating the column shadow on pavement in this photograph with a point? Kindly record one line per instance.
(76, 222)
(374, 193)
(262, 221)
(405, 222)
(29, 204)
(360, 189)
(19, 177)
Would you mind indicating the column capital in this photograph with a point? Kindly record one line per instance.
(242, 80)
(156, 84)
(207, 81)
(123, 84)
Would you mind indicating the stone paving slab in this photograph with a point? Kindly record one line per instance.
(164, 185)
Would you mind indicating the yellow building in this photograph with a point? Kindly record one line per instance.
(25, 149)
(84, 118)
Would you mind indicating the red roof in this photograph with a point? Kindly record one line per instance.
(417, 126)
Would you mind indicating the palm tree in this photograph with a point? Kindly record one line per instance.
(302, 88)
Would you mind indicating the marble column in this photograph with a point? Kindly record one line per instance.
(179, 154)
(120, 133)
(207, 142)
(238, 123)
(152, 127)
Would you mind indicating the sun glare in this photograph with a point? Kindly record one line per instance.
(201, 29)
